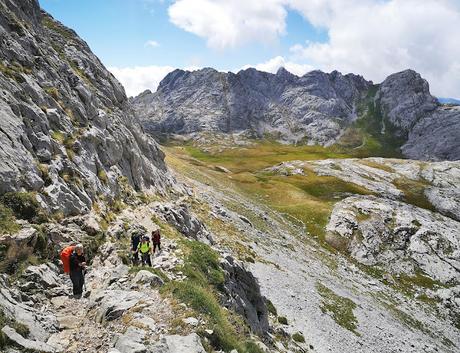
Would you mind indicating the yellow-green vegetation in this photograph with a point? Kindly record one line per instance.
(414, 192)
(14, 71)
(59, 29)
(201, 291)
(24, 205)
(102, 175)
(376, 165)
(53, 92)
(340, 308)
(305, 199)
(8, 223)
(271, 308)
(365, 137)
(298, 337)
(58, 136)
(282, 320)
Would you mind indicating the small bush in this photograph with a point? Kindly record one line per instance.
(102, 175)
(24, 204)
(7, 221)
(298, 337)
(270, 307)
(53, 92)
(58, 136)
(282, 320)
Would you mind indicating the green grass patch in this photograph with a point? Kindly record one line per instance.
(24, 205)
(58, 136)
(340, 308)
(414, 192)
(271, 308)
(282, 320)
(8, 223)
(298, 337)
(201, 291)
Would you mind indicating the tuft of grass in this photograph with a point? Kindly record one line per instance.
(23, 204)
(58, 136)
(201, 292)
(339, 307)
(414, 192)
(102, 175)
(282, 320)
(270, 307)
(53, 92)
(298, 337)
(8, 223)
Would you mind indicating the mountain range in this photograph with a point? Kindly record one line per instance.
(317, 108)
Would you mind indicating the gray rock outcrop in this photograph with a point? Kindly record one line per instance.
(430, 131)
(66, 127)
(314, 107)
(401, 237)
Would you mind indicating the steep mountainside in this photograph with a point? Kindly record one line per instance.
(316, 108)
(66, 128)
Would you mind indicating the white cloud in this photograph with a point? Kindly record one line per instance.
(275, 63)
(370, 37)
(376, 38)
(152, 43)
(139, 78)
(229, 23)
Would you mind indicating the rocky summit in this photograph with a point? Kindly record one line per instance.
(296, 214)
(317, 108)
(67, 130)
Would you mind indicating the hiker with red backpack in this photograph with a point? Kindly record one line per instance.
(74, 263)
(156, 240)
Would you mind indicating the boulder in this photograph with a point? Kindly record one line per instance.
(45, 275)
(26, 344)
(112, 304)
(147, 277)
(179, 344)
(131, 341)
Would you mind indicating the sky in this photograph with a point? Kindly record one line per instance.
(140, 41)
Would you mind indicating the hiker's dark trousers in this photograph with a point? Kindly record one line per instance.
(78, 279)
(135, 258)
(155, 246)
(146, 259)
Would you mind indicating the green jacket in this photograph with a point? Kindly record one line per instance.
(144, 247)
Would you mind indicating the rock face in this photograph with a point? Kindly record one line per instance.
(401, 237)
(67, 131)
(431, 131)
(315, 108)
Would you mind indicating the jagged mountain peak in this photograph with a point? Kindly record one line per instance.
(316, 108)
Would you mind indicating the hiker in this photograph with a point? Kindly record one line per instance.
(145, 250)
(77, 266)
(135, 240)
(156, 240)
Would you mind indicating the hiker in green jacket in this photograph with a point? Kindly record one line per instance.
(145, 250)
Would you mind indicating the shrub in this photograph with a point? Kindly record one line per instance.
(270, 307)
(298, 337)
(102, 175)
(7, 221)
(282, 320)
(24, 204)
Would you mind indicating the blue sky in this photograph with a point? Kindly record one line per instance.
(118, 30)
(374, 38)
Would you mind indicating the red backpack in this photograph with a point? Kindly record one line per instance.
(65, 257)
